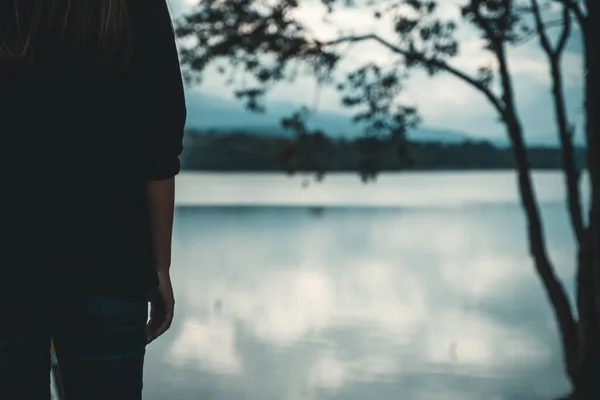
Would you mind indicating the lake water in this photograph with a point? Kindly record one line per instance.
(418, 287)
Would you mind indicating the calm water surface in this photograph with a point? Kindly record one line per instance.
(417, 287)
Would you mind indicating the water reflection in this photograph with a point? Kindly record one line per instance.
(414, 304)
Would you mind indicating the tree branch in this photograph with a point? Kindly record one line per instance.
(577, 11)
(496, 102)
(541, 29)
(566, 32)
(486, 26)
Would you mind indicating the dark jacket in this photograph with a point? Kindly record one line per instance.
(77, 151)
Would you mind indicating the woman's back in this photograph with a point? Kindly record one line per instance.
(85, 123)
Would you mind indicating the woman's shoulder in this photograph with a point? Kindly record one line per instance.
(152, 20)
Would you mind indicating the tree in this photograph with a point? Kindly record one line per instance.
(268, 42)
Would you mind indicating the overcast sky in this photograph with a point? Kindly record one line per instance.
(443, 101)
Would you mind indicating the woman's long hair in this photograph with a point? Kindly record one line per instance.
(90, 31)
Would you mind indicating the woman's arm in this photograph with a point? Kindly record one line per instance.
(161, 199)
(162, 148)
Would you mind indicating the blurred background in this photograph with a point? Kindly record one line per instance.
(384, 257)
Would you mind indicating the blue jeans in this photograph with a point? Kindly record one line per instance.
(100, 342)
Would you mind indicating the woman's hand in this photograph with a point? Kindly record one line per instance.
(162, 307)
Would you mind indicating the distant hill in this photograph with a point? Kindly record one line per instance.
(428, 134)
(208, 112)
(237, 150)
(221, 115)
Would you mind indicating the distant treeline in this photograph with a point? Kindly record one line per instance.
(238, 151)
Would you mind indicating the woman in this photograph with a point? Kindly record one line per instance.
(91, 120)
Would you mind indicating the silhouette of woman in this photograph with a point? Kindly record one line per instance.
(92, 113)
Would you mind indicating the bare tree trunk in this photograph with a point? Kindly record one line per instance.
(588, 296)
(565, 130)
(537, 242)
(593, 127)
(544, 268)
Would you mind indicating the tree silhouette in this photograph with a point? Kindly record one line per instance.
(267, 42)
